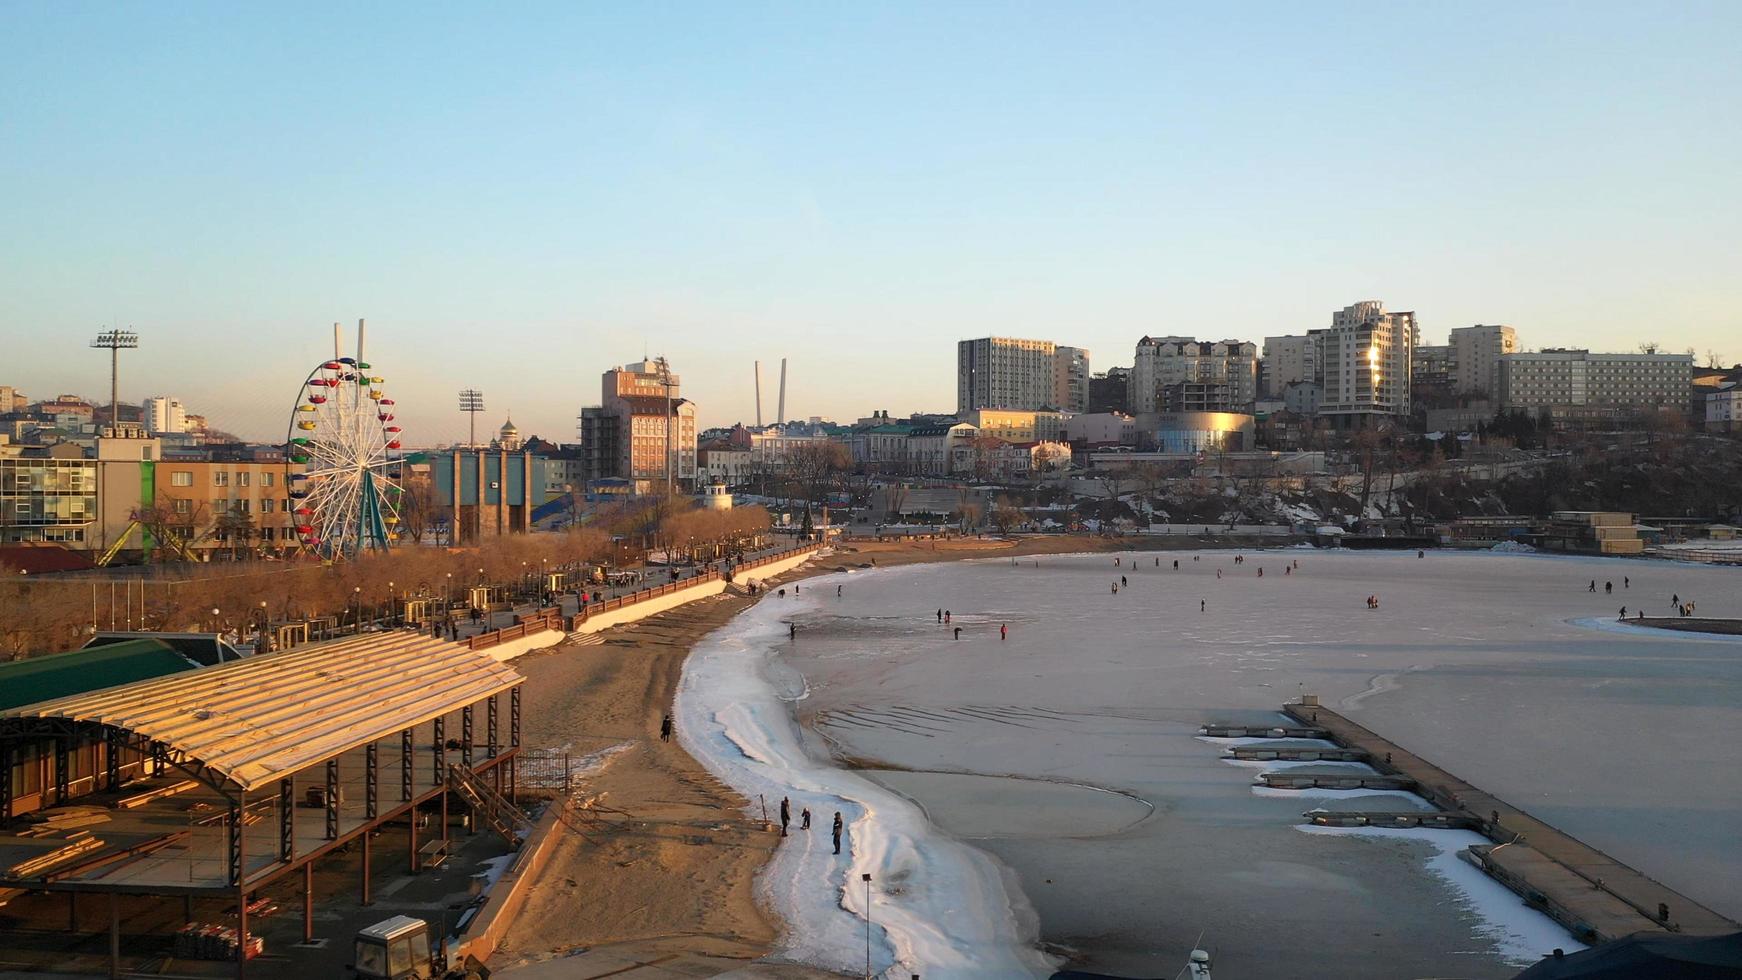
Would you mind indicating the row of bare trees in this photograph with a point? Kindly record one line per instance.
(40, 615)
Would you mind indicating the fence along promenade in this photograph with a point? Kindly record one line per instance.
(552, 619)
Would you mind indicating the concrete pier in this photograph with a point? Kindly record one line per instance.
(1405, 818)
(1262, 731)
(1595, 896)
(1269, 753)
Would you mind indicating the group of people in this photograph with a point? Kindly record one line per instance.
(1609, 587)
(805, 821)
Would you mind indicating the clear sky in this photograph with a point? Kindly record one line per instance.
(518, 196)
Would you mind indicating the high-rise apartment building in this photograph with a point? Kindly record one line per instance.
(641, 429)
(1605, 383)
(1030, 375)
(165, 414)
(1179, 374)
(1288, 360)
(1476, 353)
(1366, 358)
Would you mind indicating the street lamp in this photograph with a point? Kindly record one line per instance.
(215, 619)
(357, 617)
(866, 877)
(265, 621)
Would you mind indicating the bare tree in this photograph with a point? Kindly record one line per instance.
(812, 469)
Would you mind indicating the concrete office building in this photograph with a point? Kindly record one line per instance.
(1032, 375)
(1287, 360)
(630, 434)
(1594, 386)
(1476, 353)
(1366, 359)
(1179, 374)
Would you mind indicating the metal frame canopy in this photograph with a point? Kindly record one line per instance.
(255, 721)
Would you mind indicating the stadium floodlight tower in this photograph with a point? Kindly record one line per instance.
(115, 341)
(472, 402)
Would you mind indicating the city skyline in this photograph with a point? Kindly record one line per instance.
(518, 206)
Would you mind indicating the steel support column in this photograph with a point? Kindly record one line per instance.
(333, 799)
(112, 757)
(466, 736)
(491, 743)
(514, 716)
(286, 819)
(233, 838)
(366, 868)
(5, 780)
(308, 902)
(441, 751)
(60, 769)
(371, 780)
(412, 814)
(405, 763)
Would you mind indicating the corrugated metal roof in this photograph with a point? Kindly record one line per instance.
(60, 675)
(257, 720)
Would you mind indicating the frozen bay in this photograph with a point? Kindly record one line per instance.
(1066, 752)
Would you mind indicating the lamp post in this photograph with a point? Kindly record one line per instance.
(265, 621)
(357, 598)
(866, 877)
(391, 597)
(215, 615)
(447, 593)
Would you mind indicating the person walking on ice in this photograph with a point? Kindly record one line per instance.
(804, 819)
(785, 814)
(837, 831)
(958, 632)
(1003, 631)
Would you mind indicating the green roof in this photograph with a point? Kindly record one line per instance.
(59, 675)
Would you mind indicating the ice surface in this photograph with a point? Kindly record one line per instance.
(1503, 669)
(935, 902)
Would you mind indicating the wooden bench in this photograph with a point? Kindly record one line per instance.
(432, 853)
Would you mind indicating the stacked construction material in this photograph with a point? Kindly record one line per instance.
(205, 941)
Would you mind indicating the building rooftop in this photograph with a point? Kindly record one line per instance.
(60, 675)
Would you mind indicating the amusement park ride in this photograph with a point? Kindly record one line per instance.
(343, 465)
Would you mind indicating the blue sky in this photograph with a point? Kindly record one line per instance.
(519, 196)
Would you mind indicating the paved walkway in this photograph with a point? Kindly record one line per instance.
(1600, 892)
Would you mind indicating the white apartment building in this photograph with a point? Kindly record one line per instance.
(1476, 353)
(1288, 359)
(1724, 410)
(1007, 372)
(1575, 378)
(1366, 358)
(163, 413)
(1180, 374)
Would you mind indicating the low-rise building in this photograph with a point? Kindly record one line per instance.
(1724, 410)
(944, 449)
(1017, 425)
(1102, 429)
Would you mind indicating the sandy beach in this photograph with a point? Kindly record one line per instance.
(672, 881)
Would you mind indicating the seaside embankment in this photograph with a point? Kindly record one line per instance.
(673, 879)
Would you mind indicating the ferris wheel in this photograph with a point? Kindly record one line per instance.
(343, 458)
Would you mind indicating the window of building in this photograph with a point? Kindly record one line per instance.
(181, 479)
(266, 479)
(220, 478)
(184, 506)
(242, 478)
(266, 505)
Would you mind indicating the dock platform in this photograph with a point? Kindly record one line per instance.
(1595, 896)
(1273, 753)
(1263, 731)
(1431, 819)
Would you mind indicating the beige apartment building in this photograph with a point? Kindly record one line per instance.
(1366, 360)
(1608, 383)
(641, 429)
(1476, 353)
(1012, 373)
(1180, 374)
(1016, 426)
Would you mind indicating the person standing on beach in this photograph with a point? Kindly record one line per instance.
(958, 632)
(1003, 631)
(947, 616)
(837, 831)
(804, 819)
(665, 729)
(1122, 582)
(940, 615)
(785, 814)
